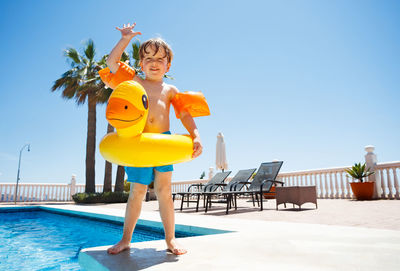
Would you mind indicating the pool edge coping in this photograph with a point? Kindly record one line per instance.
(120, 219)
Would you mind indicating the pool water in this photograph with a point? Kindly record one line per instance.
(42, 240)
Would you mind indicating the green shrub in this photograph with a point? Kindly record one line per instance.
(127, 186)
(106, 197)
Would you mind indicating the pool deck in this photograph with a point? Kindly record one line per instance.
(339, 235)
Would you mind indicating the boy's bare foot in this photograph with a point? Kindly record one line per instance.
(175, 248)
(119, 247)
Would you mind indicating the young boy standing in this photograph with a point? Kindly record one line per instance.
(155, 61)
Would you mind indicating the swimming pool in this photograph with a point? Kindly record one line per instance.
(40, 238)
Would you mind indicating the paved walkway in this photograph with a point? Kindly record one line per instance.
(379, 214)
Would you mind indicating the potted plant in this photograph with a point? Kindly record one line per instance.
(362, 190)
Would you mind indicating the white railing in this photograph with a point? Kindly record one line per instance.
(388, 174)
(38, 192)
(331, 183)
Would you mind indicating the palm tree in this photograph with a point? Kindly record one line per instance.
(107, 184)
(83, 83)
(107, 187)
(119, 178)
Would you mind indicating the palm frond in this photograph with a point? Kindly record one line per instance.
(81, 99)
(83, 73)
(103, 94)
(102, 61)
(92, 80)
(70, 90)
(59, 83)
(67, 80)
(82, 80)
(125, 56)
(135, 54)
(84, 61)
(90, 50)
(73, 55)
(82, 92)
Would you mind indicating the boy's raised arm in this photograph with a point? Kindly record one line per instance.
(127, 34)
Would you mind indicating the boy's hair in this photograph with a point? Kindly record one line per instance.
(156, 43)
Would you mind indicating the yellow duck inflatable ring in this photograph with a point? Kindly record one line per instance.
(127, 111)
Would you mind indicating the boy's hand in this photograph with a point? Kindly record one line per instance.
(127, 31)
(197, 147)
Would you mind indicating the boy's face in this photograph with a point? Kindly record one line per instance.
(155, 65)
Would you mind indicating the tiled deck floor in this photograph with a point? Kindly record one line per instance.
(379, 214)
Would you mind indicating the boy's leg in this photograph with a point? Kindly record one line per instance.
(162, 187)
(132, 212)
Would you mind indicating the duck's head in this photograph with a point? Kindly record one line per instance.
(127, 109)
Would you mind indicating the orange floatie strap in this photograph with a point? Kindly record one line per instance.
(112, 80)
(192, 102)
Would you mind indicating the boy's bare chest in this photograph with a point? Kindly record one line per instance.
(159, 103)
(158, 98)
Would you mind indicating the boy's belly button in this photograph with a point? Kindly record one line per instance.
(151, 120)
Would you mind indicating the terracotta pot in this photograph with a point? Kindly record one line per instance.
(363, 191)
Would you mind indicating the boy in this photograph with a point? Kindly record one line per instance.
(155, 61)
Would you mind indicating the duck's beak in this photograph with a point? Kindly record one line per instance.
(122, 114)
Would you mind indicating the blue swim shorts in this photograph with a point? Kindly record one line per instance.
(145, 175)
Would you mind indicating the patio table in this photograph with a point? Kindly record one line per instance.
(297, 195)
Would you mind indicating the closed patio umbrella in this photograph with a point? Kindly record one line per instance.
(220, 160)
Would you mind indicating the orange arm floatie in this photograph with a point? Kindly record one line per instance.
(192, 102)
(112, 80)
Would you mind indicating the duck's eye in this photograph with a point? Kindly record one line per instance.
(126, 107)
(145, 102)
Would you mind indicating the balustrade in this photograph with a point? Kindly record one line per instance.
(331, 183)
(38, 192)
(388, 172)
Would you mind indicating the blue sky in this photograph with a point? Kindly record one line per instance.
(307, 82)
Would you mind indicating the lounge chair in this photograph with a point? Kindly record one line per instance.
(236, 184)
(262, 183)
(208, 187)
